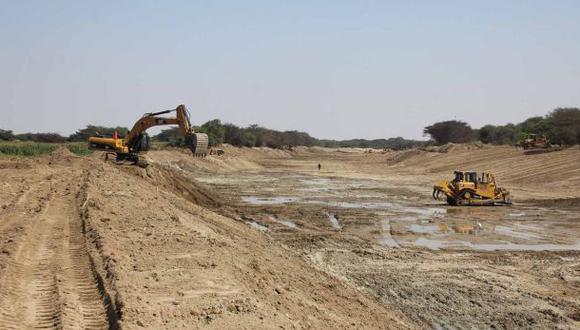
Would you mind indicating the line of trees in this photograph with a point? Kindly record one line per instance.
(6, 135)
(561, 126)
(251, 136)
(257, 136)
(79, 136)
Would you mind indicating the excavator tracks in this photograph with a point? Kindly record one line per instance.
(50, 281)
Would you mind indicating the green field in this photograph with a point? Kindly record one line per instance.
(26, 149)
(30, 149)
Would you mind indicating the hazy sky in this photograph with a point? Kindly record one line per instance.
(336, 69)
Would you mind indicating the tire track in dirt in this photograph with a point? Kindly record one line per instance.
(26, 286)
(51, 282)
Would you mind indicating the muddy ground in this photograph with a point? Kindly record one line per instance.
(369, 220)
(263, 239)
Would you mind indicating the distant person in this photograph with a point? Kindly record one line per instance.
(319, 166)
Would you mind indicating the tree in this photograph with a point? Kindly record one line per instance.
(507, 134)
(487, 133)
(92, 130)
(450, 131)
(232, 134)
(564, 126)
(534, 125)
(6, 135)
(248, 139)
(214, 130)
(168, 134)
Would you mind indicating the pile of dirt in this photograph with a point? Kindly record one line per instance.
(173, 178)
(234, 159)
(401, 156)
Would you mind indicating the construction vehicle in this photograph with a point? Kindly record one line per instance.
(137, 141)
(467, 188)
(536, 144)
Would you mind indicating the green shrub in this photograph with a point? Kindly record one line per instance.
(80, 149)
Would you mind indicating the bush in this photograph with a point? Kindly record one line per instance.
(248, 139)
(80, 149)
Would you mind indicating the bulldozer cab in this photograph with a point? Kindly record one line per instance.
(465, 179)
(532, 137)
(458, 176)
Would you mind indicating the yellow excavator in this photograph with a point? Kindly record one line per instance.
(137, 141)
(467, 188)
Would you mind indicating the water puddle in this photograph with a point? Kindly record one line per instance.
(333, 220)
(257, 226)
(425, 212)
(465, 229)
(269, 201)
(387, 239)
(286, 223)
(419, 229)
(235, 180)
(438, 244)
(508, 231)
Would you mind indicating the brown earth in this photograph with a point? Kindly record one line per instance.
(195, 243)
(89, 244)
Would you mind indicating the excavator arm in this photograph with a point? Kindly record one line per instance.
(153, 119)
(137, 141)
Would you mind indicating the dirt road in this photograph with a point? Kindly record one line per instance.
(48, 278)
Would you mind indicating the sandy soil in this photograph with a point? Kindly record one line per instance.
(260, 238)
(89, 244)
(369, 220)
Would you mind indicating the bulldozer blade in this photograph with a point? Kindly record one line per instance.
(541, 150)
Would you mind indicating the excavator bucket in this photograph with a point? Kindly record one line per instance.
(198, 144)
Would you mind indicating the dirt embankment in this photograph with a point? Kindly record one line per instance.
(554, 175)
(91, 244)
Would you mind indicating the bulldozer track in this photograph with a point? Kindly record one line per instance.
(50, 281)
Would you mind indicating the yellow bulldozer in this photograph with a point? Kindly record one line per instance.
(537, 144)
(467, 188)
(137, 141)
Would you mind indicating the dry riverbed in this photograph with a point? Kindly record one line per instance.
(502, 267)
